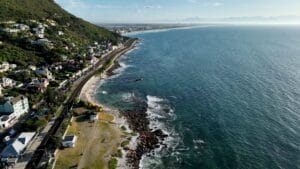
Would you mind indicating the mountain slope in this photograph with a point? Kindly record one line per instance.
(75, 38)
(48, 9)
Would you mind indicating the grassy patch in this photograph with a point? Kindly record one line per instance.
(112, 164)
(106, 117)
(96, 142)
(118, 153)
(123, 128)
(125, 143)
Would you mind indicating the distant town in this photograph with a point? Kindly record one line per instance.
(124, 29)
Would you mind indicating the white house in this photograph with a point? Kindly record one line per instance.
(39, 31)
(93, 60)
(17, 146)
(7, 82)
(21, 27)
(7, 120)
(39, 85)
(4, 67)
(60, 33)
(44, 72)
(12, 66)
(32, 67)
(11, 109)
(69, 141)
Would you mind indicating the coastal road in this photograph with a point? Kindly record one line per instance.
(41, 150)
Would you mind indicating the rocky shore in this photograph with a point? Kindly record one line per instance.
(137, 121)
(148, 139)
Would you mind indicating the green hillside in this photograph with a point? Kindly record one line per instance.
(47, 9)
(78, 35)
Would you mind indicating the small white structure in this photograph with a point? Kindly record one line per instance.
(42, 42)
(69, 141)
(7, 82)
(11, 109)
(21, 27)
(39, 31)
(17, 146)
(4, 67)
(39, 85)
(93, 60)
(9, 30)
(60, 33)
(7, 121)
(32, 67)
(12, 66)
(94, 116)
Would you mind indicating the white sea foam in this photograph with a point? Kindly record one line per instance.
(160, 114)
(128, 97)
(198, 141)
(104, 92)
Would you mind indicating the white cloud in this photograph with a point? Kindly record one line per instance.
(206, 3)
(153, 7)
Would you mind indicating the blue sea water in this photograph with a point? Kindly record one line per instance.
(228, 96)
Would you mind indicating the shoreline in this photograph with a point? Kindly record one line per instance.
(88, 95)
(88, 92)
(136, 121)
(160, 30)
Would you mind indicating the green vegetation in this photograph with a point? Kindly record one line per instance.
(20, 10)
(125, 143)
(15, 54)
(112, 164)
(34, 124)
(118, 153)
(123, 128)
(78, 34)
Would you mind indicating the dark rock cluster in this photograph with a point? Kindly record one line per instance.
(148, 139)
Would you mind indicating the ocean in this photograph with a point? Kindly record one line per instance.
(228, 96)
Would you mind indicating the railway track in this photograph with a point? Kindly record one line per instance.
(42, 149)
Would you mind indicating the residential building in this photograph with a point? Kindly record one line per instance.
(7, 120)
(69, 141)
(21, 27)
(11, 109)
(7, 82)
(39, 31)
(44, 72)
(38, 85)
(16, 147)
(4, 67)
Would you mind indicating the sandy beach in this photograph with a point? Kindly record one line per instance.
(88, 95)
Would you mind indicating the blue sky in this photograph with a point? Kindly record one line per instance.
(136, 11)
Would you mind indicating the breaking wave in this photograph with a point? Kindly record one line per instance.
(160, 115)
